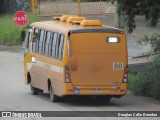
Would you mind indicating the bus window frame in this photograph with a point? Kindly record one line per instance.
(35, 39)
(44, 42)
(54, 55)
(61, 47)
(47, 42)
(41, 41)
(27, 40)
(50, 48)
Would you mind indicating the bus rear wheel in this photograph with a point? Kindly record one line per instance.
(35, 91)
(53, 97)
(103, 99)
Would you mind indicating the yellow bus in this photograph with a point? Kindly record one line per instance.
(73, 56)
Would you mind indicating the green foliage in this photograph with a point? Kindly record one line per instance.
(9, 31)
(153, 41)
(140, 84)
(148, 83)
(155, 73)
(149, 8)
(131, 77)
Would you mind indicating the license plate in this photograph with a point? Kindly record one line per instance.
(96, 91)
(114, 91)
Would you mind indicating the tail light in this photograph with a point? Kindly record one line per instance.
(125, 75)
(67, 75)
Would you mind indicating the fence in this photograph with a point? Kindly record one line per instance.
(78, 7)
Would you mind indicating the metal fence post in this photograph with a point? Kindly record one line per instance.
(79, 7)
(101, 6)
(33, 6)
(57, 12)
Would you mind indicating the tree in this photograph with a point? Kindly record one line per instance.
(11, 6)
(130, 8)
(2, 10)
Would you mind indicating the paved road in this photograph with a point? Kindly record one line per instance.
(15, 95)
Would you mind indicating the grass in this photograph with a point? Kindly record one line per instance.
(131, 77)
(139, 84)
(9, 31)
(145, 83)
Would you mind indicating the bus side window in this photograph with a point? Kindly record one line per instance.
(60, 47)
(35, 39)
(50, 45)
(48, 39)
(41, 40)
(44, 43)
(54, 45)
(27, 39)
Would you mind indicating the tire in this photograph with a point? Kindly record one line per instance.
(35, 91)
(62, 99)
(53, 97)
(103, 99)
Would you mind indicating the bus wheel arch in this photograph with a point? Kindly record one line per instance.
(28, 78)
(53, 97)
(34, 90)
(49, 83)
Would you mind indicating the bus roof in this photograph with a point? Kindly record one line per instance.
(65, 27)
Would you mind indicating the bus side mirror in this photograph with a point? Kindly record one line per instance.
(23, 34)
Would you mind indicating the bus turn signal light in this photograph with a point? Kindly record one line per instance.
(67, 76)
(125, 75)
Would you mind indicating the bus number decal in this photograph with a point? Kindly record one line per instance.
(117, 66)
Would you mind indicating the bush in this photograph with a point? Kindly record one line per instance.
(9, 31)
(148, 83)
(155, 77)
(131, 77)
(140, 84)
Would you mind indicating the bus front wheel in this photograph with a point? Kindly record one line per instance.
(53, 97)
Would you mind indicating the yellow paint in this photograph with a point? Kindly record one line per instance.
(90, 63)
(33, 6)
